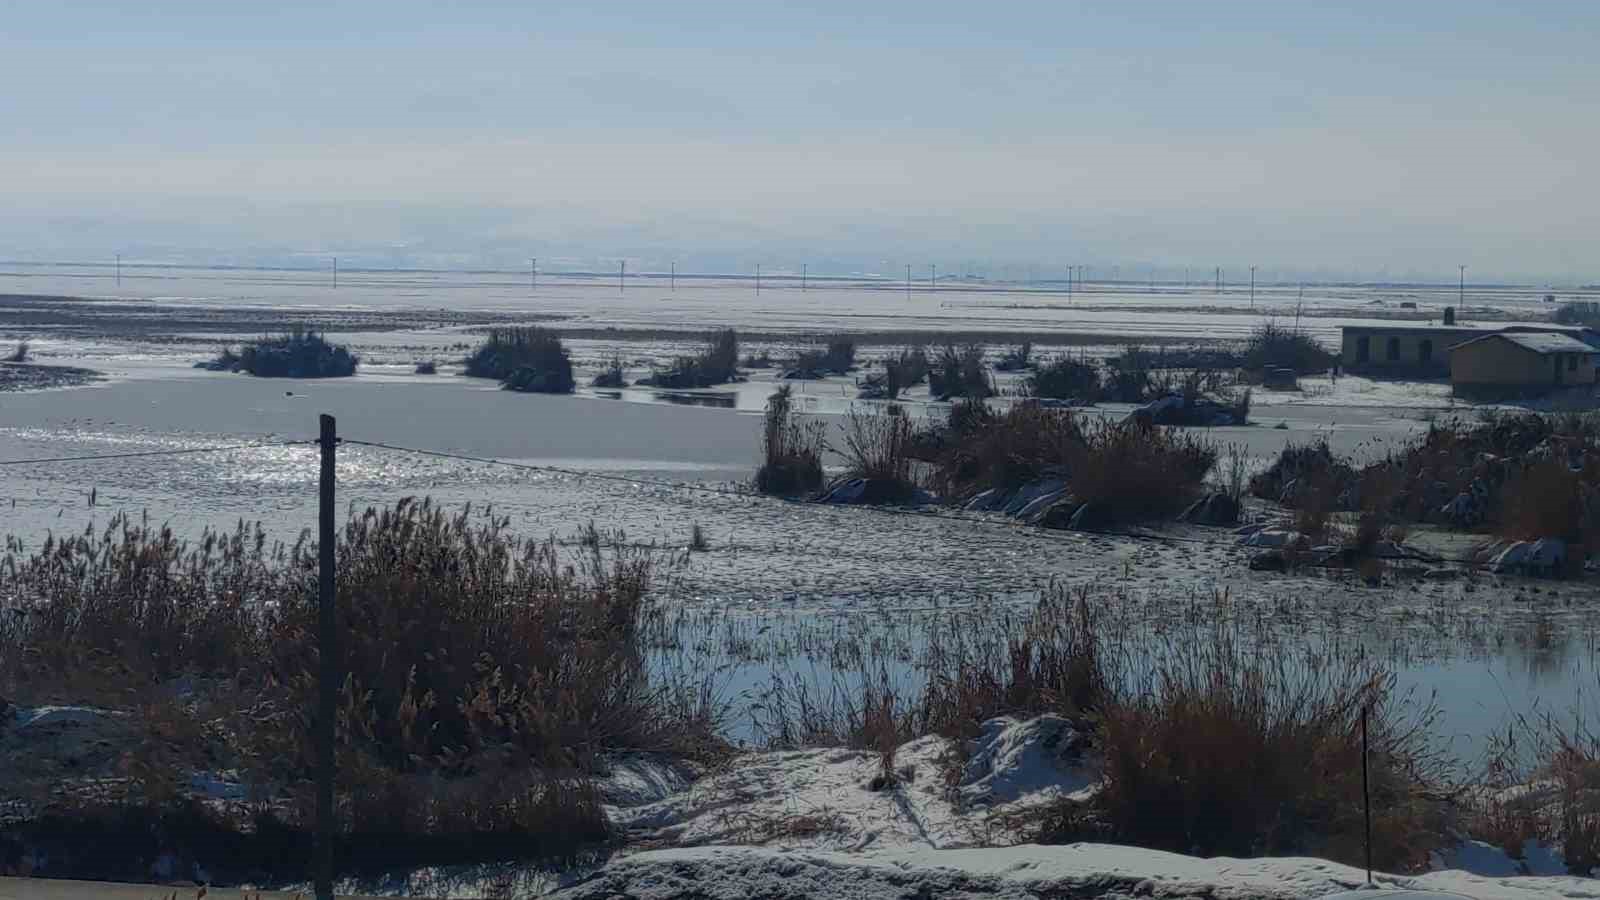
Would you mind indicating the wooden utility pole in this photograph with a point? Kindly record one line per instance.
(908, 281)
(802, 277)
(119, 269)
(533, 273)
(1461, 290)
(933, 277)
(622, 275)
(1252, 287)
(328, 663)
(673, 278)
(1069, 283)
(758, 278)
(336, 271)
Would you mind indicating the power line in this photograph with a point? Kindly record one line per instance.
(147, 453)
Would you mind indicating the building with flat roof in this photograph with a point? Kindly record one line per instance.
(1522, 362)
(1402, 349)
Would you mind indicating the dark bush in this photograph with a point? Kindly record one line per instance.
(612, 376)
(791, 450)
(960, 373)
(1016, 359)
(1578, 312)
(904, 371)
(1065, 379)
(717, 364)
(301, 353)
(1273, 346)
(529, 359)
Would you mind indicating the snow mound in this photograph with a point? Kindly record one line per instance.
(1074, 870)
(1013, 760)
(824, 799)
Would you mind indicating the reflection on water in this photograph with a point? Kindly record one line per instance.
(685, 398)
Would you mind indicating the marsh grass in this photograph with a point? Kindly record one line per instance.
(878, 447)
(486, 675)
(791, 448)
(528, 359)
(717, 363)
(19, 353)
(299, 353)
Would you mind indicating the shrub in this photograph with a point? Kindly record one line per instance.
(762, 360)
(529, 359)
(1551, 499)
(1578, 312)
(1006, 451)
(1130, 471)
(904, 371)
(877, 447)
(428, 367)
(19, 354)
(791, 450)
(1065, 379)
(960, 373)
(301, 353)
(484, 673)
(612, 375)
(1016, 359)
(717, 364)
(841, 355)
(1128, 378)
(1224, 751)
(1273, 346)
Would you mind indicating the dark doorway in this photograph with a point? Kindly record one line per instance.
(1394, 349)
(1363, 349)
(1425, 352)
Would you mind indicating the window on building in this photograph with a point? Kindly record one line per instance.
(1425, 352)
(1394, 349)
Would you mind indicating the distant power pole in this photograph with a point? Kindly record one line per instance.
(1069, 283)
(336, 271)
(1219, 280)
(908, 281)
(672, 280)
(933, 277)
(622, 275)
(1461, 290)
(533, 273)
(802, 277)
(119, 269)
(758, 278)
(1252, 287)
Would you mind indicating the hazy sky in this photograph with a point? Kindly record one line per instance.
(1379, 138)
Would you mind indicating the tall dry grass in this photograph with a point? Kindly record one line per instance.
(791, 449)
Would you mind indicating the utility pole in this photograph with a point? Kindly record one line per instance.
(1461, 290)
(533, 273)
(1252, 287)
(119, 269)
(1219, 280)
(1069, 283)
(328, 662)
(933, 277)
(622, 275)
(908, 281)
(758, 278)
(336, 271)
(802, 278)
(672, 280)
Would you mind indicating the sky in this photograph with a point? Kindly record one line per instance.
(1373, 140)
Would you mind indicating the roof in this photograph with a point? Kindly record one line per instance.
(1537, 341)
(1415, 328)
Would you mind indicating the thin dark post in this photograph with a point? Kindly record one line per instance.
(327, 654)
(933, 277)
(1069, 283)
(336, 271)
(802, 277)
(533, 273)
(119, 268)
(673, 278)
(758, 278)
(622, 275)
(1366, 793)
(1461, 290)
(908, 281)
(1252, 287)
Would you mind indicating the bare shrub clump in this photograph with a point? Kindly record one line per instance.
(1273, 346)
(960, 372)
(18, 354)
(613, 375)
(791, 449)
(529, 359)
(1066, 378)
(878, 449)
(717, 364)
